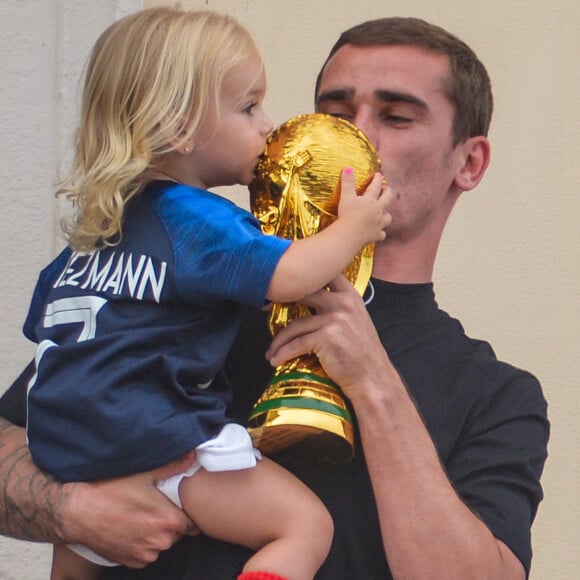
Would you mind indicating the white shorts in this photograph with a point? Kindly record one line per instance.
(230, 450)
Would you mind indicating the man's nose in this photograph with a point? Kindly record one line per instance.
(366, 122)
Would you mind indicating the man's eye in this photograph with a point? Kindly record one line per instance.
(397, 120)
(347, 115)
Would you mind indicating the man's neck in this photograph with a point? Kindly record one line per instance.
(404, 263)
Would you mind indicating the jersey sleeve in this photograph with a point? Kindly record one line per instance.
(497, 466)
(219, 249)
(13, 401)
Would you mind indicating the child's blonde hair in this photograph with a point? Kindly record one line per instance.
(149, 82)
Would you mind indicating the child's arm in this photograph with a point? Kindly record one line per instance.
(311, 263)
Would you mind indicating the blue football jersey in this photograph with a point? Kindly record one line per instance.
(130, 336)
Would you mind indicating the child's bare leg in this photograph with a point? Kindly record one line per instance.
(266, 509)
(66, 565)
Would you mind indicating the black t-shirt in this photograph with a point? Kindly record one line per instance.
(487, 420)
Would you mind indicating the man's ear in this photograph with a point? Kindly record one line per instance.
(474, 155)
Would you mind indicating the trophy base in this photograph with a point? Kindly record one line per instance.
(302, 420)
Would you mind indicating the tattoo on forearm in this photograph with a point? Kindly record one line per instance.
(29, 498)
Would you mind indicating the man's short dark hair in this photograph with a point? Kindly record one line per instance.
(468, 88)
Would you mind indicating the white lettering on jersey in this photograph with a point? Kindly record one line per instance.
(122, 274)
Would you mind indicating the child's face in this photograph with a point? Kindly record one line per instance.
(227, 147)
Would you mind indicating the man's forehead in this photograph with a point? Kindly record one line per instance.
(383, 73)
(364, 62)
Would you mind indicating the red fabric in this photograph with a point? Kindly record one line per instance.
(260, 576)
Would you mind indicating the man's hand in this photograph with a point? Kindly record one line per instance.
(126, 520)
(341, 335)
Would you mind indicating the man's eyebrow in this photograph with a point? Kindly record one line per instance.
(384, 95)
(344, 94)
(398, 97)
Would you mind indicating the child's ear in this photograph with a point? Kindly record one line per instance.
(185, 147)
(181, 142)
(475, 159)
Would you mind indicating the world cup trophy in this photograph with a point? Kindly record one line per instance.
(302, 416)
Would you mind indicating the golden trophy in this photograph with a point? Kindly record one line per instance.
(302, 416)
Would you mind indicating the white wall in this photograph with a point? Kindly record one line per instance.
(43, 48)
(509, 262)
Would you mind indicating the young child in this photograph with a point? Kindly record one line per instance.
(135, 318)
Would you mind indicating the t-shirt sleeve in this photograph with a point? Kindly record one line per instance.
(219, 249)
(13, 401)
(497, 467)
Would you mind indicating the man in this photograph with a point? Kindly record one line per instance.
(451, 442)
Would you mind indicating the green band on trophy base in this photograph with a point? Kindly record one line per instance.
(287, 377)
(300, 403)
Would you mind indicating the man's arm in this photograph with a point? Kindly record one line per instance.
(125, 520)
(34, 517)
(427, 530)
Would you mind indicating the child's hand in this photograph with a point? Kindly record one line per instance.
(369, 211)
